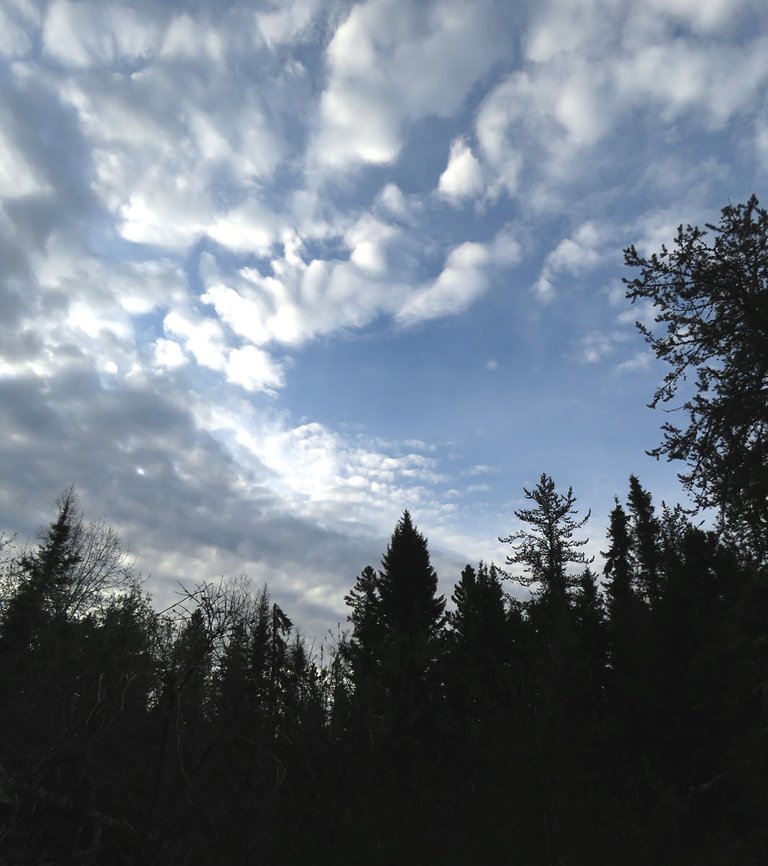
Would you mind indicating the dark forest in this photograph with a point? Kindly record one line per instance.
(615, 715)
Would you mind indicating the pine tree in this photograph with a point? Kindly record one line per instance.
(618, 559)
(479, 624)
(365, 647)
(632, 577)
(546, 547)
(480, 635)
(42, 577)
(410, 606)
(396, 617)
(645, 535)
(590, 621)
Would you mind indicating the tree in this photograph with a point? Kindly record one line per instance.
(408, 585)
(618, 561)
(591, 642)
(710, 296)
(480, 634)
(364, 601)
(645, 532)
(396, 616)
(548, 547)
(73, 570)
(479, 624)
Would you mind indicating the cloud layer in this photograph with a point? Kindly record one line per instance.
(193, 196)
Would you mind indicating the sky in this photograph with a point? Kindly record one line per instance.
(272, 272)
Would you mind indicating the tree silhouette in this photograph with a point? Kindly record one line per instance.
(547, 546)
(710, 295)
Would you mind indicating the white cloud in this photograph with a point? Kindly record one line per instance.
(202, 337)
(392, 200)
(369, 239)
(461, 281)
(178, 147)
(254, 370)
(192, 39)
(593, 69)
(573, 256)
(250, 228)
(717, 80)
(301, 299)
(463, 176)
(394, 61)
(290, 22)
(595, 346)
(506, 249)
(325, 475)
(82, 34)
(702, 15)
(639, 361)
(168, 353)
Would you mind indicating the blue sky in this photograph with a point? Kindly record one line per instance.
(271, 273)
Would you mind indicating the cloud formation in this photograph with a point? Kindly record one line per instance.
(195, 198)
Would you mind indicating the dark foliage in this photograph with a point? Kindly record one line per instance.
(710, 297)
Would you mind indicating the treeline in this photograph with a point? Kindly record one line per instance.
(613, 718)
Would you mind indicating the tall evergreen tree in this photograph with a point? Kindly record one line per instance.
(546, 546)
(366, 616)
(591, 640)
(479, 622)
(645, 535)
(410, 606)
(618, 558)
(480, 634)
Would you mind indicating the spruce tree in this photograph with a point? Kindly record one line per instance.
(645, 535)
(546, 546)
(410, 606)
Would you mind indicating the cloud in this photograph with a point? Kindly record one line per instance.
(254, 369)
(573, 256)
(460, 282)
(761, 141)
(463, 176)
(591, 71)
(169, 353)
(639, 361)
(19, 21)
(85, 34)
(177, 146)
(596, 345)
(301, 299)
(394, 61)
(189, 197)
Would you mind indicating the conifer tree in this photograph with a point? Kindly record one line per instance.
(590, 619)
(479, 623)
(366, 616)
(645, 535)
(709, 293)
(480, 634)
(546, 546)
(410, 606)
